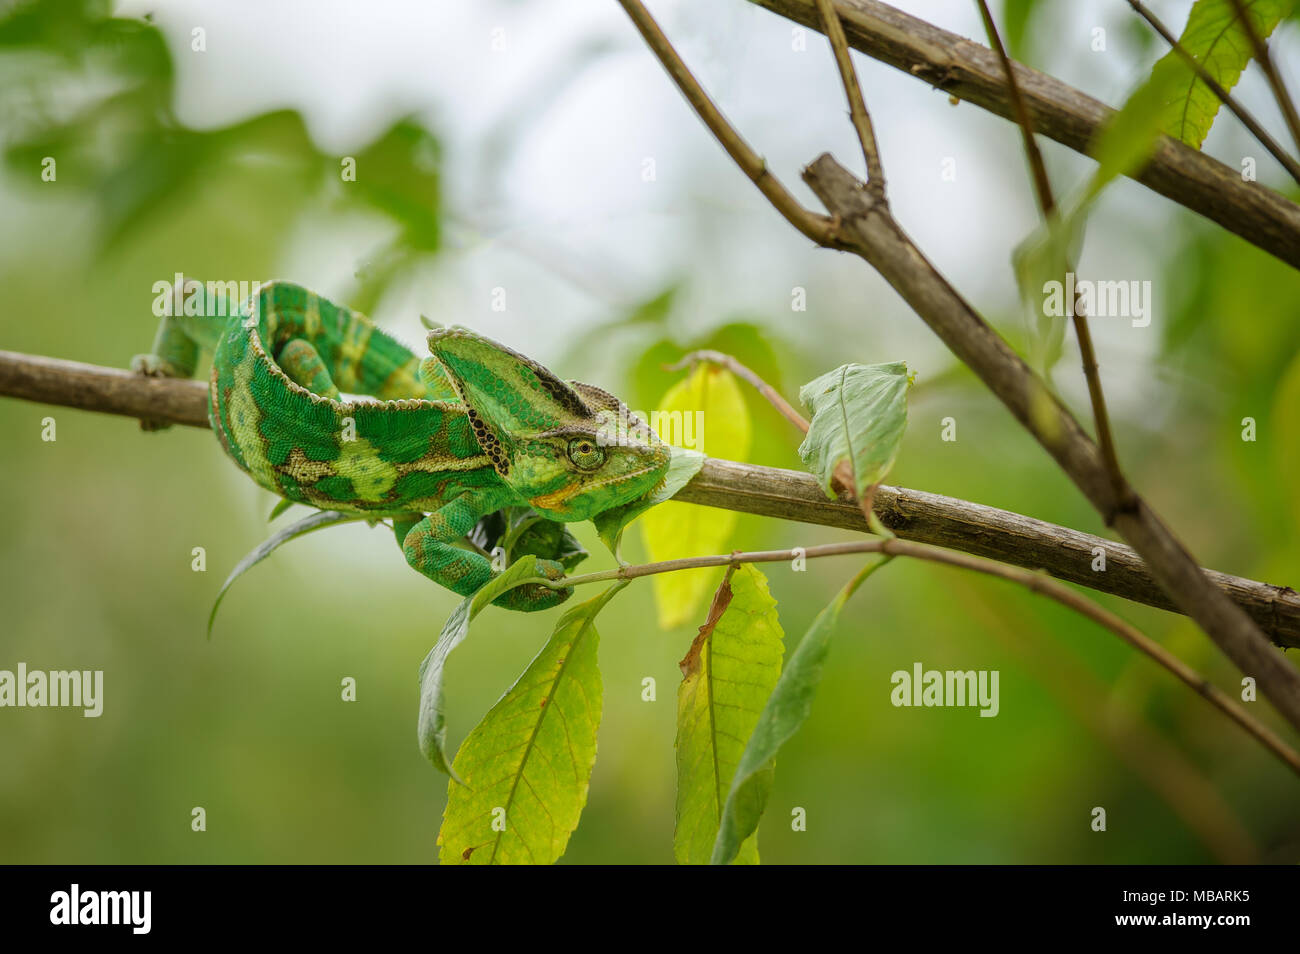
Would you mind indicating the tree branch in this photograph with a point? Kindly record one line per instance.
(1265, 59)
(971, 72)
(814, 226)
(834, 31)
(765, 491)
(1047, 205)
(1249, 121)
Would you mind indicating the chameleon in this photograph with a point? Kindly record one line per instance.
(441, 445)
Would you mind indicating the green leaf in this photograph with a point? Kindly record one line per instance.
(280, 507)
(398, 174)
(728, 675)
(1124, 145)
(786, 710)
(1016, 17)
(432, 727)
(319, 519)
(708, 411)
(859, 413)
(1044, 257)
(682, 468)
(1221, 46)
(528, 764)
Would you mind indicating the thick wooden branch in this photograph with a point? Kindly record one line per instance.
(766, 491)
(972, 72)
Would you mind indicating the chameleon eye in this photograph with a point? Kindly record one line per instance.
(585, 453)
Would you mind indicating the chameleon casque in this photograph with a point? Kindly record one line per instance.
(475, 430)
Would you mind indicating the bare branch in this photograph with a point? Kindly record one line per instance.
(1042, 185)
(816, 227)
(765, 491)
(1265, 58)
(739, 370)
(1247, 120)
(1047, 204)
(853, 92)
(971, 72)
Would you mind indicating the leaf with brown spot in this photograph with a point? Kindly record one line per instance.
(731, 669)
(690, 663)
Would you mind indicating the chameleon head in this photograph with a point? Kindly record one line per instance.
(571, 450)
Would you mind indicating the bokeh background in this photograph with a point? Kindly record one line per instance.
(538, 148)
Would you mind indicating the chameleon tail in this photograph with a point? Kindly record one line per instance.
(358, 357)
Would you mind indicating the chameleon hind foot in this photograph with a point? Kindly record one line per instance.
(533, 597)
(154, 366)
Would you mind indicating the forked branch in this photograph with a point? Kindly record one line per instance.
(971, 72)
(1047, 205)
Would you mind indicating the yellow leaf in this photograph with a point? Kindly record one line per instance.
(707, 413)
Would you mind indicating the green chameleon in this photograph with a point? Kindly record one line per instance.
(453, 444)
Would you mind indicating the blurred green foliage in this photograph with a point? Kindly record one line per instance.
(95, 560)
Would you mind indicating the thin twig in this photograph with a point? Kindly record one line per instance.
(1042, 184)
(1265, 58)
(739, 370)
(870, 232)
(843, 477)
(1143, 746)
(1035, 582)
(857, 104)
(819, 228)
(970, 71)
(1247, 120)
(1047, 205)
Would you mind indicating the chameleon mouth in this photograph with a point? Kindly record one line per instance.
(556, 499)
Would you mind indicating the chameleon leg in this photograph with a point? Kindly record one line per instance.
(175, 354)
(301, 361)
(430, 547)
